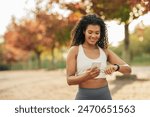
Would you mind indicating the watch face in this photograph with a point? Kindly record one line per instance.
(118, 67)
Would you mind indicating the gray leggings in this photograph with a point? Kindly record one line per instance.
(102, 93)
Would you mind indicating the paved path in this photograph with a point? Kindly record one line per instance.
(42, 84)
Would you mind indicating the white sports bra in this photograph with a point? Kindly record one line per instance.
(83, 62)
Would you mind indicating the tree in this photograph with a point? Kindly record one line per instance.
(24, 37)
(11, 52)
(144, 39)
(44, 32)
(57, 27)
(124, 11)
(139, 40)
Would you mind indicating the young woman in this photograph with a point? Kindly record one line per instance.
(87, 59)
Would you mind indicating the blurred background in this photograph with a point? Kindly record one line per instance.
(35, 37)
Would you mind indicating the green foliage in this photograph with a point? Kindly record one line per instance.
(117, 50)
(1, 53)
(135, 45)
(146, 40)
(30, 65)
(143, 60)
(56, 65)
(4, 67)
(123, 13)
(139, 47)
(140, 43)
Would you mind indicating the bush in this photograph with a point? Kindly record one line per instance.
(4, 67)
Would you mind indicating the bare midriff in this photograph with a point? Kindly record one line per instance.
(94, 83)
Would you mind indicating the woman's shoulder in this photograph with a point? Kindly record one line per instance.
(73, 50)
(106, 51)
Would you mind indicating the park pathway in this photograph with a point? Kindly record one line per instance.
(51, 85)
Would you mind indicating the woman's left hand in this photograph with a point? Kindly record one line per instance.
(110, 69)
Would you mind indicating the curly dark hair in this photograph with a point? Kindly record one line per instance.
(78, 36)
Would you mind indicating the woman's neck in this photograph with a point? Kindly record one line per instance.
(89, 46)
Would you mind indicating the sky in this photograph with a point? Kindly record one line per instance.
(18, 8)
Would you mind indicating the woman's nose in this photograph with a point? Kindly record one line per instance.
(93, 35)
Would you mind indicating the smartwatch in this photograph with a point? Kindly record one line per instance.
(118, 67)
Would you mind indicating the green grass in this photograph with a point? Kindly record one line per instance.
(143, 60)
(46, 64)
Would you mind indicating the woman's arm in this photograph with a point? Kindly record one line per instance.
(114, 59)
(71, 64)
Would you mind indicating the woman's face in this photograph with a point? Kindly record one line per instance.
(92, 34)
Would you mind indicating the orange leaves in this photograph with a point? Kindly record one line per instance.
(13, 54)
(36, 35)
(74, 17)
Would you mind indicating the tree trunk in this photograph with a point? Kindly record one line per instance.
(126, 52)
(53, 56)
(38, 59)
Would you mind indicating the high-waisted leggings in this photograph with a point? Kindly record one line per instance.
(102, 93)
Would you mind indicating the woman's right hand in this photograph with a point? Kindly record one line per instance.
(92, 72)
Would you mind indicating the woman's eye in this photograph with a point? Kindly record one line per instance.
(90, 32)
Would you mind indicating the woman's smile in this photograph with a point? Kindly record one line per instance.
(92, 34)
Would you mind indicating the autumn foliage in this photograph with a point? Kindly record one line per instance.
(35, 35)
